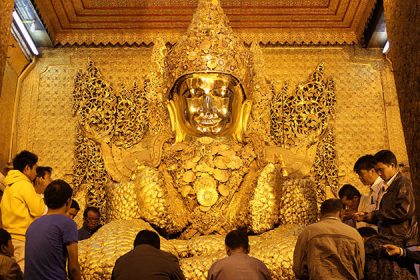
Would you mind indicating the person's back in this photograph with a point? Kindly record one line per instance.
(147, 261)
(333, 250)
(238, 264)
(53, 237)
(329, 249)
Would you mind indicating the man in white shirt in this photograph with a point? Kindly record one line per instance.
(365, 168)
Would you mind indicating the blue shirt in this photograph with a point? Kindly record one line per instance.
(45, 248)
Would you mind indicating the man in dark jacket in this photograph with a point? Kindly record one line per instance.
(396, 221)
(395, 217)
(147, 261)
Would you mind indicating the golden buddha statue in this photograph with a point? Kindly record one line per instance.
(208, 174)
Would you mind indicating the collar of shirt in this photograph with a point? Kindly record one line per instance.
(377, 185)
(389, 182)
(332, 218)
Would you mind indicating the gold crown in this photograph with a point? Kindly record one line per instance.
(209, 45)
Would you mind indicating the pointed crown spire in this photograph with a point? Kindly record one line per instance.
(209, 45)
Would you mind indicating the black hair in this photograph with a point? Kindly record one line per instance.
(75, 205)
(348, 191)
(367, 231)
(366, 162)
(236, 239)
(147, 237)
(23, 159)
(41, 171)
(331, 205)
(386, 157)
(91, 208)
(57, 193)
(4, 237)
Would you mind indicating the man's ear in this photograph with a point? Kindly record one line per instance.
(3, 248)
(26, 169)
(228, 250)
(68, 203)
(341, 214)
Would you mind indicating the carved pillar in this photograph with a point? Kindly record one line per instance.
(402, 20)
(6, 9)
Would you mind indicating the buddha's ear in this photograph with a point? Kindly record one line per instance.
(245, 112)
(175, 122)
(243, 120)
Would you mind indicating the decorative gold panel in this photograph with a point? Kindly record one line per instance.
(87, 22)
(6, 8)
(363, 83)
(305, 117)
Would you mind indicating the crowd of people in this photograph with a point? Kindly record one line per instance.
(358, 236)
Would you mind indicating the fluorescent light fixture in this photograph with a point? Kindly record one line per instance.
(386, 48)
(33, 27)
(25, 33)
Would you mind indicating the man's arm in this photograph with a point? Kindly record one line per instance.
(361, 253)
(393, 250)
(36, 205)
(299, 256)
(402, 208)
(177, 272)
(74, 268)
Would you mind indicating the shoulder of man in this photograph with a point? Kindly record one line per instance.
(402, 183)
(169, 256)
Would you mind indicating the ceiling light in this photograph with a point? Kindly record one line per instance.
(25, 33)
(386, 48)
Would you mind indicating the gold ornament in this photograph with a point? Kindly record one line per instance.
(209, 45)
(207, 194)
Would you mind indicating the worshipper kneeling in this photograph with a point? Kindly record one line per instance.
(238, 264)
(52, 237)
(329, 249)
(91, 223)
(74, 209)
(9, 269)
(147, 261)
(355, 202)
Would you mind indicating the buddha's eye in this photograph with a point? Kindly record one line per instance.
(193, 93)
(222, 92)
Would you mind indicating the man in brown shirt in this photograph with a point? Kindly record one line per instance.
(329, 249)
(238, 264)
(147, 261)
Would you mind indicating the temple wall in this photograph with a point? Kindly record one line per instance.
(13, 67)
(403, 21)
(367, 112)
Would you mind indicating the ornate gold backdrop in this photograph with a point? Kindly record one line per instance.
(367, 114)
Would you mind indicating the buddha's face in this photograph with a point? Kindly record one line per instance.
(208, 104)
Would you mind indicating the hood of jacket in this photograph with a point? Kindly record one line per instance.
(14, 176)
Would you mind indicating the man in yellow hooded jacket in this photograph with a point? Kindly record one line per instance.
(21, 202)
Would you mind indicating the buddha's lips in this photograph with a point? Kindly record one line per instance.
(212, 121)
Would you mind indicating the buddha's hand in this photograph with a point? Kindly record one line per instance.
(264, 203)
(158, 201)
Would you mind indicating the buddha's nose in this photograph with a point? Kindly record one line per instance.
(208, 104)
